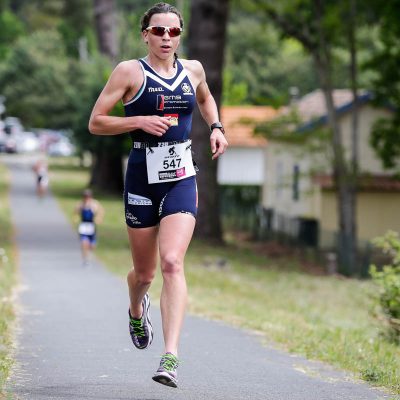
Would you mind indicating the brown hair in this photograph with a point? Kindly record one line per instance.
(159, 8)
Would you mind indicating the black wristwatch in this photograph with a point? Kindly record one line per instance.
(217, 125)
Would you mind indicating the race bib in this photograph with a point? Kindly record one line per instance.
(86, 228)
(169, 162)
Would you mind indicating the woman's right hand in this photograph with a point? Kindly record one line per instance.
(155, 125)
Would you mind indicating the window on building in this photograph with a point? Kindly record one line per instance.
(279, 179)
(296, 183)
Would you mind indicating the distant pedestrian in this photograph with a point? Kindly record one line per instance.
(90, 213)
(159, 93)
(42, 177)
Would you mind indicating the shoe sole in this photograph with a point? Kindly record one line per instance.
(147, 311)
(165, 380)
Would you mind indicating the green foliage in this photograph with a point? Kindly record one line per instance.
(11, 29)
(36, 81)
(131, 45)
(89, 80)
(388, 281)
(282, 128)
(385, 140)
(77, 25)
(386, 83)
(39, 14)
(233, 93)
(289, 128)
(257, 58)
(7, 280)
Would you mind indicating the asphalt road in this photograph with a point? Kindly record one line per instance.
(73, 341)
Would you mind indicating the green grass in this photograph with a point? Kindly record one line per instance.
(7, 279)
(321, 317)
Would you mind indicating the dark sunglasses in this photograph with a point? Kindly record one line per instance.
(173, 31)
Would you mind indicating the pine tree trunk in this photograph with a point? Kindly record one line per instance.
(207, 33)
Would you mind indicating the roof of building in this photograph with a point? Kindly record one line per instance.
(367, 182)
(312, 109)
(312, 105)
(239, 123)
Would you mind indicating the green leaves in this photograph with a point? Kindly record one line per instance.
(11, 29)
(385, 139)
(35, 81)
(388, 281)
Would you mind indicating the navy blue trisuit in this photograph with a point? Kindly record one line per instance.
(172, 189)
(87, 228)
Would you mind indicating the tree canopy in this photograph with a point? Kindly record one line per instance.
(262, 63)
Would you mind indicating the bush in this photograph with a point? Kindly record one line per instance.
(388, 281)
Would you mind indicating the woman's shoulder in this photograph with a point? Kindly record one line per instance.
(128, 66)
(192, 65)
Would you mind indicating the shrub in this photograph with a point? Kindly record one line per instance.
(388, 281)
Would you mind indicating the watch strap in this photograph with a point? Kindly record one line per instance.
(217, 125)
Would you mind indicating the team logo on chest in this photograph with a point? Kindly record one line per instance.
(186, 89)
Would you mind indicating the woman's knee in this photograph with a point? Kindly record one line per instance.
(143, 276)
(171, 264)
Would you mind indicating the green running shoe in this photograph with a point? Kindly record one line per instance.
(166, 373)
(141, 329)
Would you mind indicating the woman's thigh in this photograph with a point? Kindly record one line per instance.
(176, 231)
(144, 247)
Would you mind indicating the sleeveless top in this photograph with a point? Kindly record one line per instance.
(87, 214)
(158, 95)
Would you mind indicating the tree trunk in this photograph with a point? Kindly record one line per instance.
(207, 33)
(312, 34)
(107, 171)
(355, 129)
(342, 177)
(104, 13)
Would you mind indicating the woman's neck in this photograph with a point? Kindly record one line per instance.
(163, 67)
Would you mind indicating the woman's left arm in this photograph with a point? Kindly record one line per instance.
(209, 111)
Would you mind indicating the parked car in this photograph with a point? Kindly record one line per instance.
(3, 137)
(62, 148)
(27, 142)
(12, 125)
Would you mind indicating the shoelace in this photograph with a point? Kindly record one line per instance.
(137, 327)
(169, 362)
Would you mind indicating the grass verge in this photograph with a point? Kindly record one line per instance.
(321, 317)
(7, 279)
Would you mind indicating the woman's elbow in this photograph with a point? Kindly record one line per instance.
(93, 129)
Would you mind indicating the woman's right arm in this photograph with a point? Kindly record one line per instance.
(119, 83)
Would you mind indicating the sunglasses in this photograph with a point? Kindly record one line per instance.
(173, 31)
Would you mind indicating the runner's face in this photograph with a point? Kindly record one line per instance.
(164, 46)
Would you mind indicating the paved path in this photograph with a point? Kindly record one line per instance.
(73, 341)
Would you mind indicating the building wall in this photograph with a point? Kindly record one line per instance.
(241, 166)
(376, 214)
(281, 159)
(278, 190)
(367, 116)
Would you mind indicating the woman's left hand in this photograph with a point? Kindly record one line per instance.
(218, 143)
